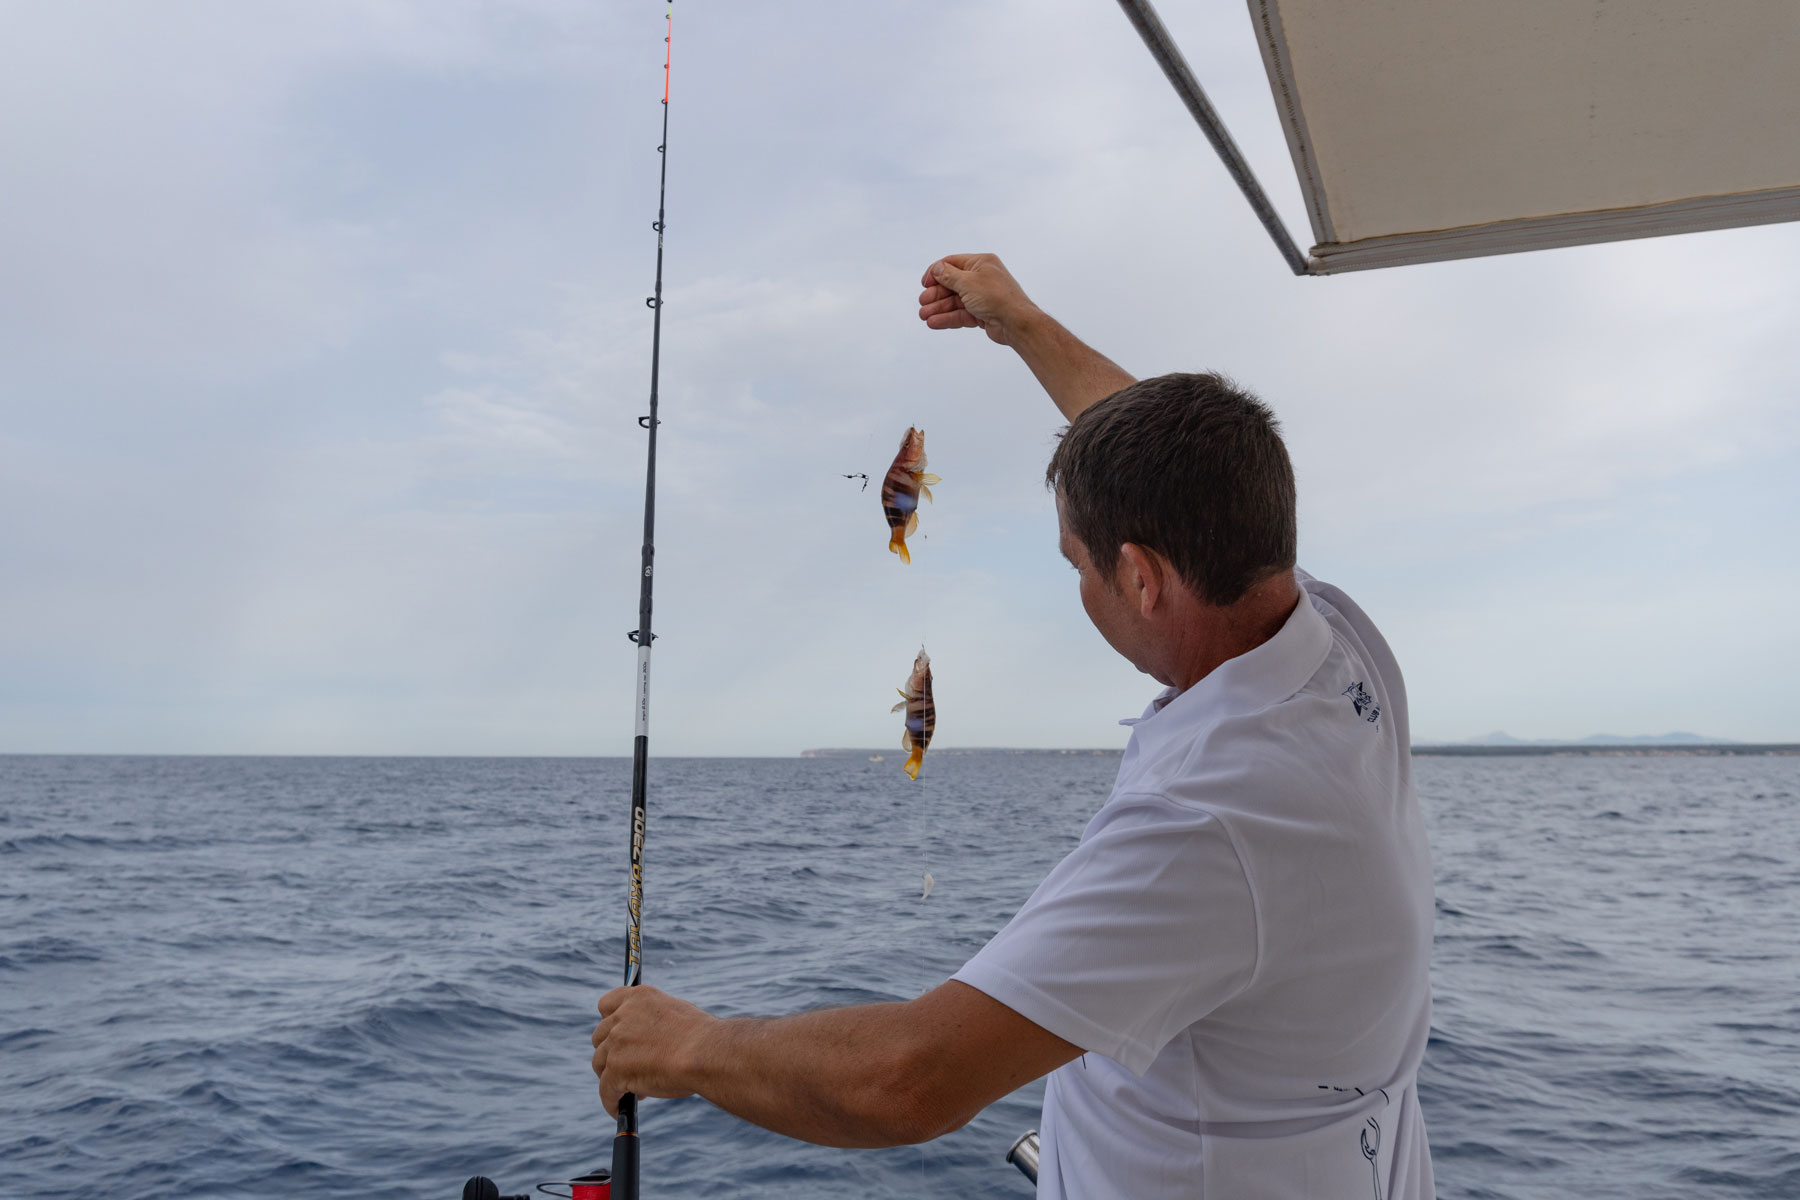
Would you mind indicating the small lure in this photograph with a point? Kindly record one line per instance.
(928, 882)
(906, 481)
(921, 713)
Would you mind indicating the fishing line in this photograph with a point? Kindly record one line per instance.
(625, 1138)
(925, 600)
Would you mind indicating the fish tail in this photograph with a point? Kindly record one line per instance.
(914, 761)
(897, 543)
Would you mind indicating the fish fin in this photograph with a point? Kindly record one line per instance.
(906, 742)
(912, 525)
(914, 761)
(897, 544)
(926, 492)
(929, 479)
(898, 706)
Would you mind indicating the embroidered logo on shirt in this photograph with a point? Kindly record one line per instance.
(1366, 708)
(1371, 1150)
(1369, 1136)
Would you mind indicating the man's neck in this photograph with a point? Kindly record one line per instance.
(1215, 635)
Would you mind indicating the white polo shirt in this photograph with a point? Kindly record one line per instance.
(1241, 940)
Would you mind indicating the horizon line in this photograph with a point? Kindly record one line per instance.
(1718, 746)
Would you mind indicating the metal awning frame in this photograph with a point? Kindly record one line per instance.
(1499, 237)
(1168, 56)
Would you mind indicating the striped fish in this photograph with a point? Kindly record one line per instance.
(921, 713)
(900, 491)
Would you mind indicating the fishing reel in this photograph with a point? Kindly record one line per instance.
(483, 1188)
(595, 1185)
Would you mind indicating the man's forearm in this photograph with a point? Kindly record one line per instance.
(840, 1077)
(875, 1075)
(1074, 374)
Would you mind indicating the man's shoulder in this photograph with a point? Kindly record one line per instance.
(1350, 624)
(1335, 735)
(1332, 719)
(1317, 710)
(1362, 668)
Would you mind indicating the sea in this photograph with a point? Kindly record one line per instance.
(319, 978)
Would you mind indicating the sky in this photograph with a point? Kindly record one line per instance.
(323, 340)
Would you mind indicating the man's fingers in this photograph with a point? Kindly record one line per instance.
(612, 1104)
(947, 274)
(610, 1091)
(609, 1094)
(954, 262)
(610, 1002)
(941, 308)
(948, 271)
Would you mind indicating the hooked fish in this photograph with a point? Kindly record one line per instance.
(906, 481)
(921, 713)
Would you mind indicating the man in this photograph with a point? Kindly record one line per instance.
(1227, 979)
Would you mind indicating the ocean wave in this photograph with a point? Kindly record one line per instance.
(317, 978)
(47, 950)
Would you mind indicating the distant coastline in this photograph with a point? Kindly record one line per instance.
(1619, 749)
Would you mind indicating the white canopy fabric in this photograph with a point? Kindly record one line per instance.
(1424, 130)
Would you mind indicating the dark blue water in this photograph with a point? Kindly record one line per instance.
(319, 978)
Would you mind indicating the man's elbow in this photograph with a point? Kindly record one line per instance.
(921, 1119)
(912, 1099)
(899, 1120)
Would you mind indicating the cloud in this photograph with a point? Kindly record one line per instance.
(325, 345)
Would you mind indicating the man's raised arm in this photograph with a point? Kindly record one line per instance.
(976, 291)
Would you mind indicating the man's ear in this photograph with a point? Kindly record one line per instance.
(1146, 575)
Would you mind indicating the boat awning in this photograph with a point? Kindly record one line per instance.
(1424, 130)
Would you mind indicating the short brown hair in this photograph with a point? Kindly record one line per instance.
(1191, 466)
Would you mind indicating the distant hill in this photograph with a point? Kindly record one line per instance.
(1655, 739)
(1596, 739)
(1604, 744)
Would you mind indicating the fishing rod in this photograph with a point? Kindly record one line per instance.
(625, 1140)
(621, 1183)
